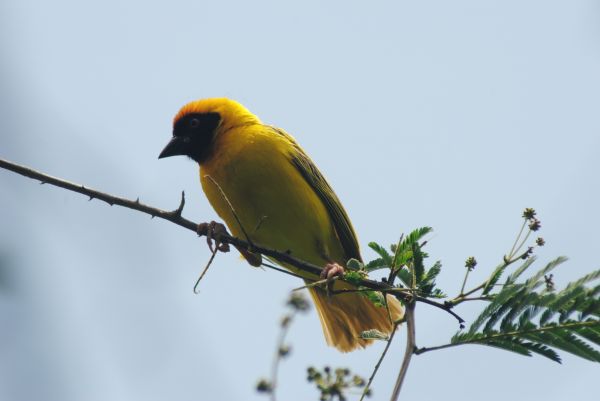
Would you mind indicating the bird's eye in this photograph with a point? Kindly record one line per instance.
(194, 123)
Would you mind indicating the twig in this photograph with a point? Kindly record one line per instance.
(443, 307)
(212, 257)
(522, 242)
(176, 218)
(512, 250)
(465, 296)
(409, 316)
(285, 325)
(172, 216)
(481, 298)
(385, 350)
(462, 289)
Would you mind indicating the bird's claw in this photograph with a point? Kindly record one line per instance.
(213, 232)
(331, 270)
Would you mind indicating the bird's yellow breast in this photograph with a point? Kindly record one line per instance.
(276, 206)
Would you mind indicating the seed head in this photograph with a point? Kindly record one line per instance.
(298, 302)
(535, 224)
(529, 213)
(264, 386)
(470, 263)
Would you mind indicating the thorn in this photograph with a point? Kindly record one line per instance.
(152, 216)
(137, 200)
(91, 197)
(42, 182)
(177, 212)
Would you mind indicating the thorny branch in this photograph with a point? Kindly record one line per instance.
(175, 217)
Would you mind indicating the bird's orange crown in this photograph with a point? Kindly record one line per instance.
(231, 112)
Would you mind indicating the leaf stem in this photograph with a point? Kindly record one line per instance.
(522, 243)
(464, 296)
(462, 289)
(512, 250)
(481, 340)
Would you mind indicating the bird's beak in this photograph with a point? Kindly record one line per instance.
(177, 146)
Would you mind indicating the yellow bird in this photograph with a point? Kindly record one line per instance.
(282, 201)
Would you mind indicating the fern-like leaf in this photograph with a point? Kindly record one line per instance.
(499, 270)
(376, 264)
(529, 317)
(403, 250)
(382, 252)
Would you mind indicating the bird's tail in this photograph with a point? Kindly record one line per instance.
(344, 316)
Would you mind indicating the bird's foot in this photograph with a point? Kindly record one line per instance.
(213, 232)
(329, 272)
(332, 270)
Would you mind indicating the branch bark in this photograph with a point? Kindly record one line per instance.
(175, 217)
(409, 316)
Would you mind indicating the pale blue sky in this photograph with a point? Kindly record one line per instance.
(450, 114)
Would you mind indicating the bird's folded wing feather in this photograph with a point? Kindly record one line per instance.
(319, 184)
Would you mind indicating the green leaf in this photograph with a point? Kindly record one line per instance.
(434, 271)
(417, 264)
(376, 264)
(543, 350)
(427, 284)
(354, 264)
(508, 345)
(499, 270)
(405, 276)
(355, 276)
(494, 307)
(584, 280)
(376, 297)
(529, 318)
(403, 251)
(373, 334)
(382, 252)
(592, 334)
(520, 270)
(559, 336)
(538, 278)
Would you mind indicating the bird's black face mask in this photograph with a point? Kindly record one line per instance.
(192, 136)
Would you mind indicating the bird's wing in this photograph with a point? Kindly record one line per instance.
(334, 207)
